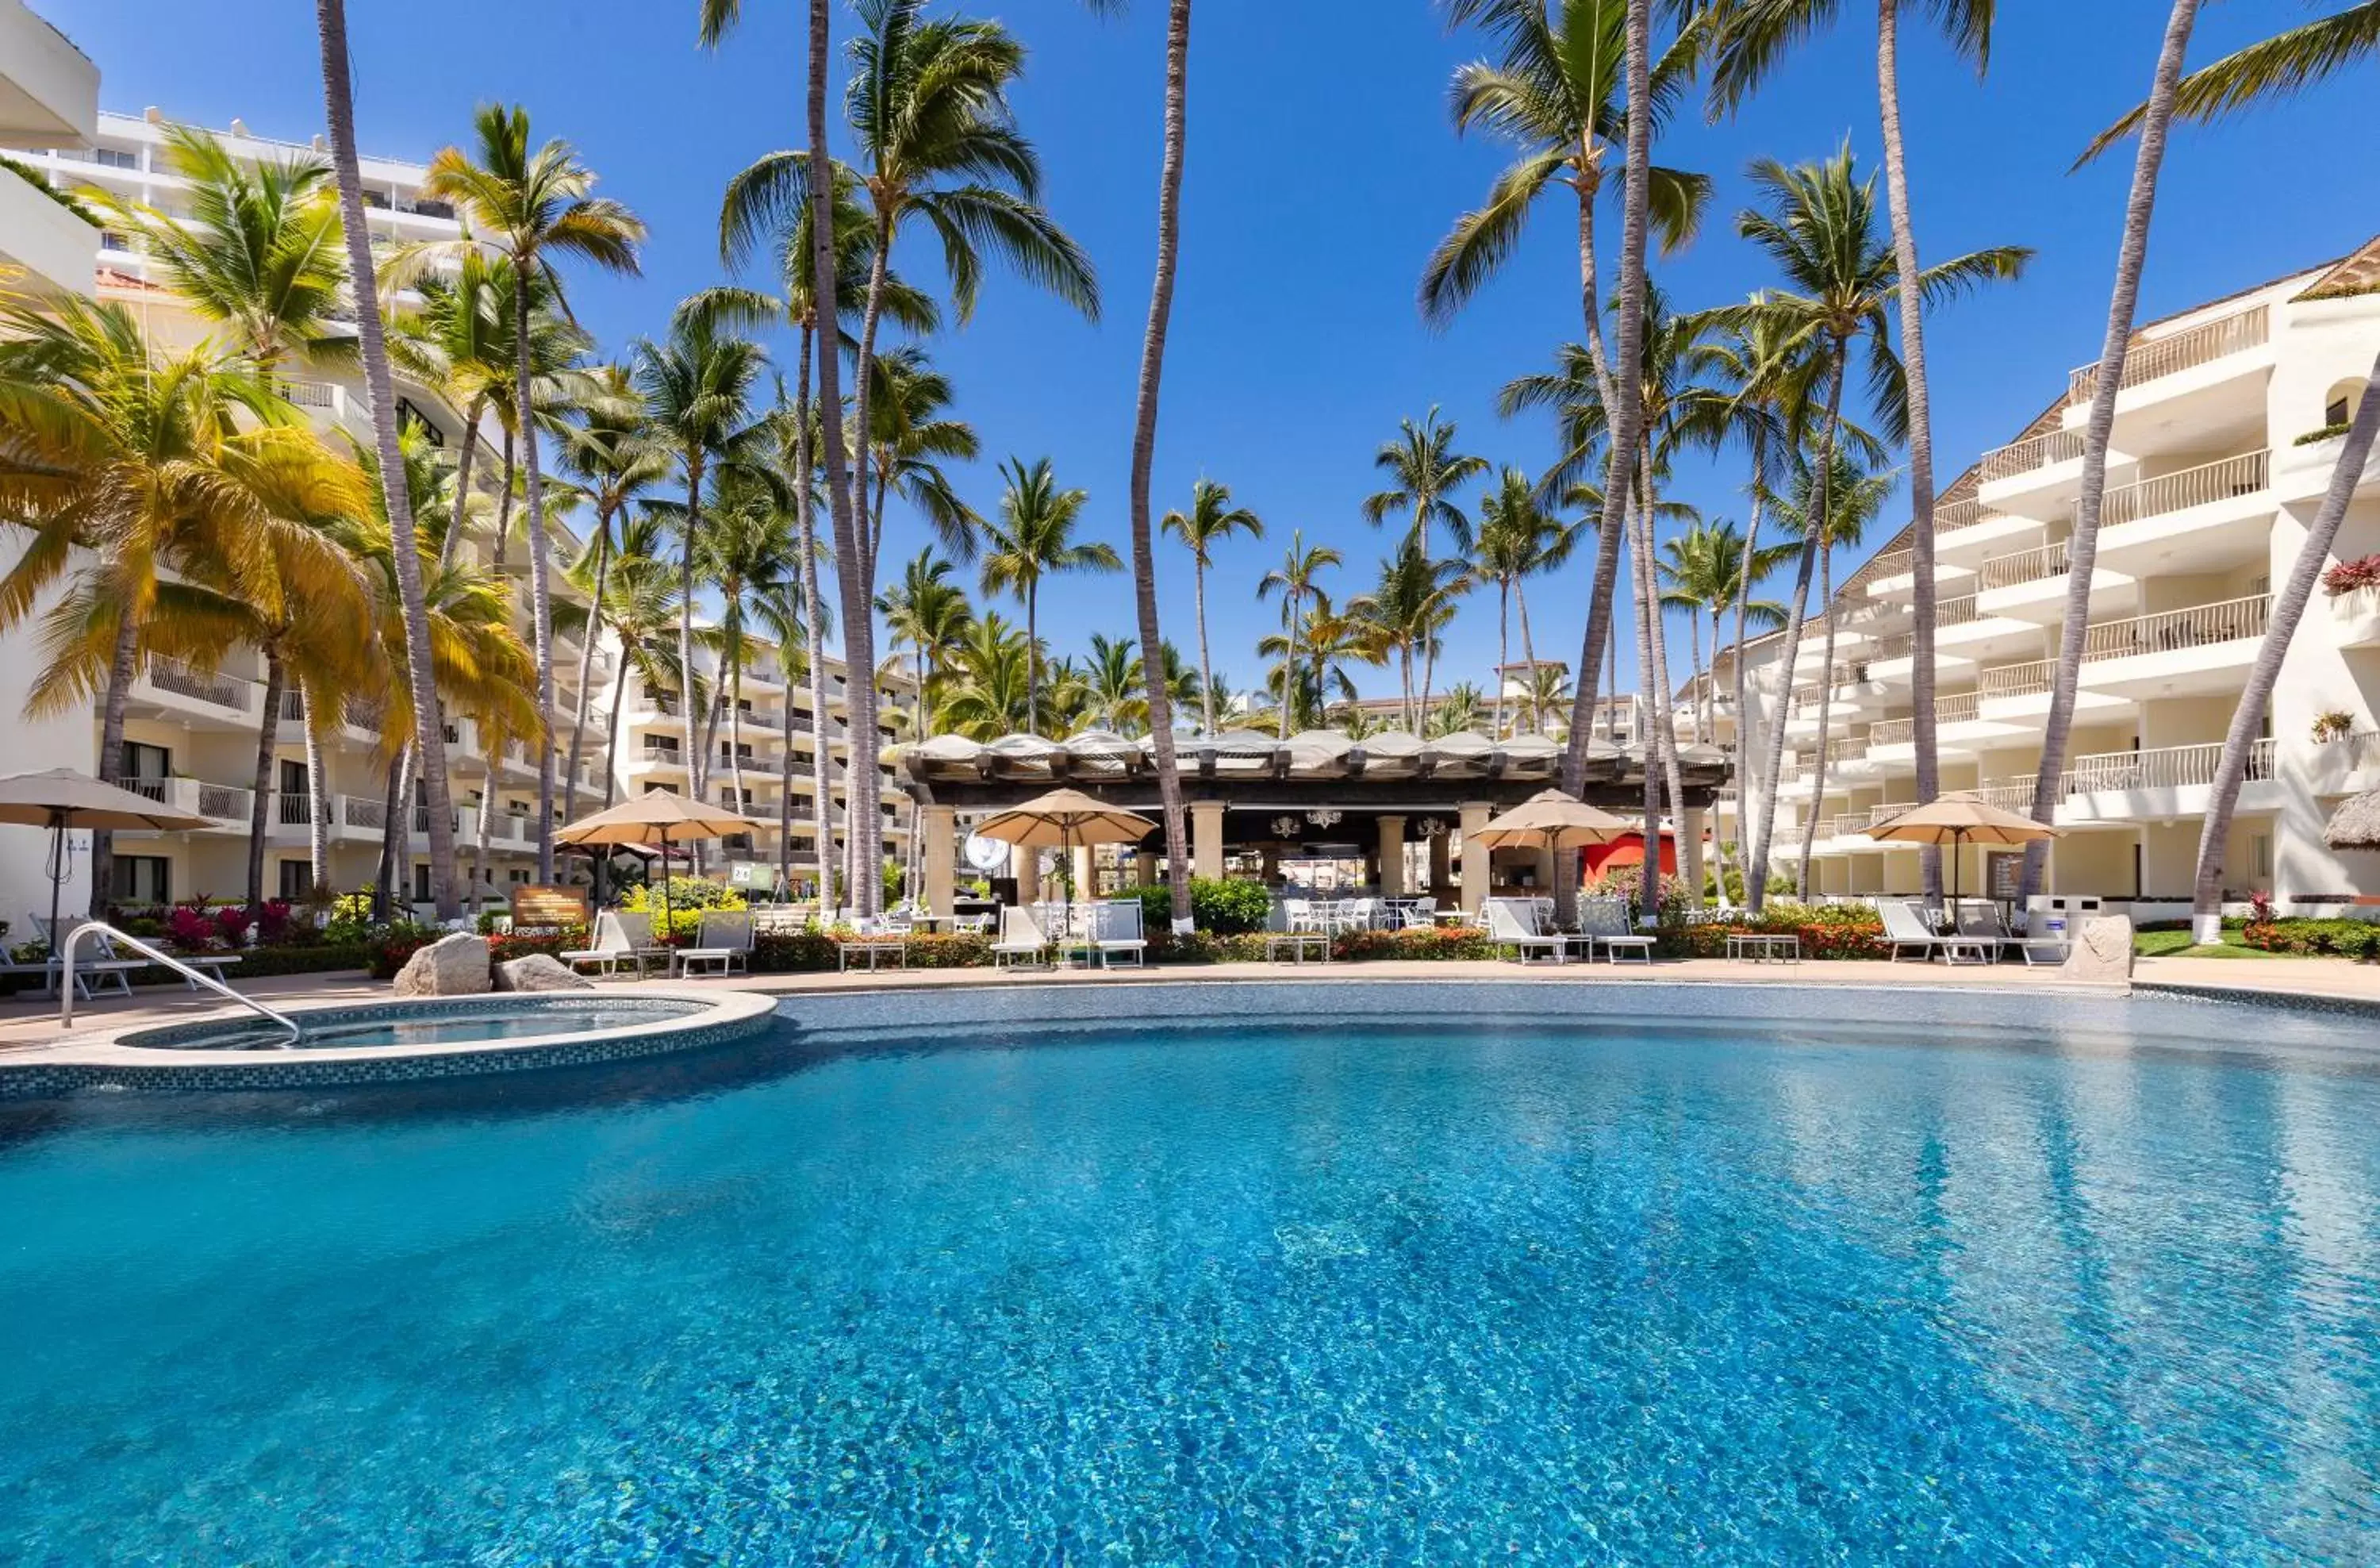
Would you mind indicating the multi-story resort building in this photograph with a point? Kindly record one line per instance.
(2228, 427)
(191, 733)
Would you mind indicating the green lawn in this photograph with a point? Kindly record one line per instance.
(2177, 945)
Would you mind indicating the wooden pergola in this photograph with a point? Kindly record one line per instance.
(1248, 791)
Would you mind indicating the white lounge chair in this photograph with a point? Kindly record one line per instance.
(1512, 923)
(1604, 921)
(1980, 918)
(1022, 940)
(1905, 928)
(725, 938)
(98, 965)
(610, 947)
(1118, 934)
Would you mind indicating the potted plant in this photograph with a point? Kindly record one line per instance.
(2332, 725)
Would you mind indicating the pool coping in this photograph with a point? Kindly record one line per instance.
(108, 1063)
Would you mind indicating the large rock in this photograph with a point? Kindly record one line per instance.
(540, 971)
(452, 966)
(2102, 954)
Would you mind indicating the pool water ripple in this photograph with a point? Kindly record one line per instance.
(1653, 1291)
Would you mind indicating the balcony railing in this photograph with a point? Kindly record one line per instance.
(225, 803)
(293, 809)
(2023, 456)
(2195, 346)
(1891, 564)
(216, 689)
(2164, 767)
(1957, 708)
(660, 751)
(2219, 480)
(2018, 680)
(2201, 625)
(2025, 566)
(150, 789)
(360, 811)
(2009, 795)
(2361, 749)
(1954, 611)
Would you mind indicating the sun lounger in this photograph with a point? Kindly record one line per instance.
(1604, 921)
(1904, 929)
(725, 939)
(1980, 918)
(99, 967)
(620, 936)
(1117, 933)
(1022, 940)
(1512, 923)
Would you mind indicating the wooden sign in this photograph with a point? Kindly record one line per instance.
(549, 907)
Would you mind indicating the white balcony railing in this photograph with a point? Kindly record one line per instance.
(2219, 480)
(1891, 564)
(2201, 625)
(210, 687)
(2023, 456)
(2164, 767)
(1954, 708)
(2018, 680)
(2025, 566)
(2200, 345)
(363, 812)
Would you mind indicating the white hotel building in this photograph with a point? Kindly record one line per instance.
(2226, 435)
(191, 733)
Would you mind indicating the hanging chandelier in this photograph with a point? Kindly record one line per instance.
(1326, 817)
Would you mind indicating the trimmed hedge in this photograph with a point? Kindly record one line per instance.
(2338, 939)
(1826, 931)
(254, 964)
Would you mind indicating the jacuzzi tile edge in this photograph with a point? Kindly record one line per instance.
(734, 1015)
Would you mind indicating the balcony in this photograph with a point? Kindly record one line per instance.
(2201, 651)
(53, 97)
(181, 690)
(2158, 357)
(228, 805)
(2161, 784)
(1956, 707)
(2355, 617)
(43, 239)
(2027, 457)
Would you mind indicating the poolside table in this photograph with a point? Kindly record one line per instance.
(1765, 947)
(875, 947)
(1298, 943)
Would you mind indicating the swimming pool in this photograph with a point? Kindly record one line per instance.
(1326, 1273)
(384, 1025)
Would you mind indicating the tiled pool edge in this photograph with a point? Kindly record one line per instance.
(102, 1064)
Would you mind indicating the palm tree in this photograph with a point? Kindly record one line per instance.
(746, 552)
(1752, 36)
(457, 341)
(698, 387)
(640, 606)
(1032, 538)
(1704, 570)
(1519, 539)
(533, 208)
(127, 467)
(912, 437)
(930, 613)
(1424, 471)
(1115, 682)
(2083, 547)
(1294, 580)
(1463, 708)
(1819, 231)
(991, 685)
(1413, 604)
(1211, 519)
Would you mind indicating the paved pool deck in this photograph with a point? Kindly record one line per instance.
(27, 1025)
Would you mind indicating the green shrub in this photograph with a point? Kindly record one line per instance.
(1828, 930)
(2311, 938)
(1224, 905)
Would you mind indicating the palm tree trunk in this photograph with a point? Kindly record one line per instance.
(2288, 607)
(1755, 889)
(1701, 694)
(1206, 670)
(120, 671)
(858, 632)
(1429, 678)
(1528, 655)
(1746, 773)
(502, 542)
(612, 727)
(463, 463)
(339, 105)
(392, 835)
(485, 830)
(736, 739)
(786, 788)
(1503, 651)
(690, 720)
(1626, 403)
(318, 785)
(1649, 897)
(541, 587)
(2082, 548)
(261, 804)
(1589, 271)
(1032, 658)
(588, 636)
(1921, 436)
(1288, 662)
(1826, 712)
(806, 523)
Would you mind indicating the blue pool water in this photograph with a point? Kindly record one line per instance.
(381, 1025)
(1641, 1290)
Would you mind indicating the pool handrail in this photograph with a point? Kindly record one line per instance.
(189, 972)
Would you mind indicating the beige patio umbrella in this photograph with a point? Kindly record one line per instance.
(656, 820)
(1959, 819)
(1555, 821)
(60, 798)
(2356, 823)
(1062, 818)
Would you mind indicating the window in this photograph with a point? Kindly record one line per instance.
(143, 879)
(410, 413)
(115, 158)
(2260, 855)
(421, 882)
(297, 880)
(144, 762)
(2335, 411)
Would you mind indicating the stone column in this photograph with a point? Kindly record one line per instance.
(1207, 839)
(1477, 878)
(941, 855)
(1026, 863)
(1086, 875)
(1441, 875)
(1143, 866)
(1271, 870)
(1393, 856)
(1690, 853)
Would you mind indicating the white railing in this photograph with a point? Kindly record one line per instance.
(2220, 480)
(2164, 767)
(1891, 731)
(1892, 564)
(1963, 514)
(2363, 747)
(226, 803)
(309, 393)
(2201, 625)
(362, 811)
(2018, 680)
(2010, 794)
(2023, 456)
(294, 810)
(2209, 340)
(229, 692)
(109, 936)
(152, 789)
(2025, 566)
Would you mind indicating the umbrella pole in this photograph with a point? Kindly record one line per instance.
(57, 879)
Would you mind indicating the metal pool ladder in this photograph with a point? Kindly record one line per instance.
(189, 973)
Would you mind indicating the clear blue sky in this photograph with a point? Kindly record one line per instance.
(1322, 170)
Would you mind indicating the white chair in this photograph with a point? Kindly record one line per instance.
(1980, 918)
(1604, 921)
(1417, 914)
(1301, 917)
(1022, 940)
(97, 964)
(612, 946)
(1117, 933)
(723, 938)
(1904, 929)
(1512, 924)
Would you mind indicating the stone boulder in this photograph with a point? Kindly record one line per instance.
(2101, 954)
(540, 971)
(452, 966)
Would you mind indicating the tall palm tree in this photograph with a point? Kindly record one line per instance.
(1463, 708)
(1530, 541)
(640, 606)
(746, 552)
(1704, 570)
(1210, 519)
(1818, 229)
(913, 435)
(1296, 580)
(1750, 37)
(1033, 538)
(930, 614)
(2083, 547)
(1113, 681)
(698, 388)
(457, 341)
(534, 207)
(991, 681)
(1424, 471)
(1413, 604)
